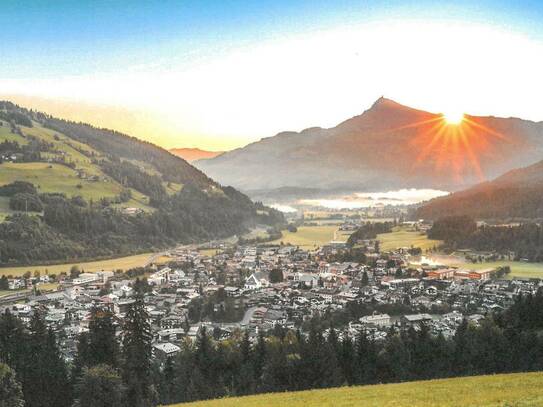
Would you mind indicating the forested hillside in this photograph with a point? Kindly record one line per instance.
(515, 195)
(69, 190)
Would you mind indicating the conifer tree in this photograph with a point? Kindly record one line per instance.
(103, 345)
(136, 352)
(11, 394)
(99, 386)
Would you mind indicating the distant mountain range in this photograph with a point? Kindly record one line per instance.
(194, 154)
(389, 146)
(517, 194)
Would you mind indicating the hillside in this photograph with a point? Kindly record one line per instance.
(70, 191)
(515, 195)
(387, 147)
(194, 154)
(521, 389)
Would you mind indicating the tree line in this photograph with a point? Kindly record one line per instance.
(369, 231)
(74, 228)
(122, 372)
(462, 232)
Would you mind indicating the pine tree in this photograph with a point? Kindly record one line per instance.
(99, 386)
(82, 357)
(347, 359)
(366, 360)
(103, 345)
(44, 369)
(136, 352)
(246, 370)
(365, 279)
(13, 341)
(11, 394)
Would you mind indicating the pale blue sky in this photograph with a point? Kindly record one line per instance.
(94, 52)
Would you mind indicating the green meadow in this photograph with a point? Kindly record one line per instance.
(311, 237)
(509, 390)
(405, 237)
(121, 263)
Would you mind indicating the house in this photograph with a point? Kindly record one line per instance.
(306, 279)
(415, 319)
(85, 278)
(381, 320)
(163, 351)
(258, 279)
(441, 274)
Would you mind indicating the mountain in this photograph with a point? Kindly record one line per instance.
(72, 191)
(388, 146)
(194, 154)
(514, 195)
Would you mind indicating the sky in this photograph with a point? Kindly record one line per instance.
(221, 74)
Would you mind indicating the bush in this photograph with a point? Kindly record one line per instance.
(25, 202)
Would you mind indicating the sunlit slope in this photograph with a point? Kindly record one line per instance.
(521, 389)
(54, 177)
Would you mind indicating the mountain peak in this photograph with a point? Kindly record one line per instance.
(387, 103)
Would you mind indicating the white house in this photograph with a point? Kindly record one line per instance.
(257, 280)
(376, 319)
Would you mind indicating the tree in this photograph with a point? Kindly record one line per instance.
(4, 283)
(13, 341)
(365, 279)
(44, 369)
(276, 276)
(99, 386)
(136, 353)
(74, 272)
(103, 346)
(11, 394)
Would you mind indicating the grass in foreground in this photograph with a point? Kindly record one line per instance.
(518, 390)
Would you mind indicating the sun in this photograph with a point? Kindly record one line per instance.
(454, 118)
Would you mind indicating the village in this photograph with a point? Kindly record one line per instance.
(272, 288)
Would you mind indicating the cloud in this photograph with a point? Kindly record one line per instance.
(319, 78)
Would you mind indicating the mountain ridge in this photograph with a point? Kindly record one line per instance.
(388, 146)
(71, 190)
(194, 154)
(513, 195)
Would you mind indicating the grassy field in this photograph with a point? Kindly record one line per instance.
(59, 178)
(56, 178)
(311, 237)
(512, 390)
(403, 237)
(518, 268)
(122, 263)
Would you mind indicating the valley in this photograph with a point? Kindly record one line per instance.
(271, 203)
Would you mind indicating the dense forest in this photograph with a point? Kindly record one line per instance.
(280, 360)
(515, 195)
(462, 232)
(73, 228)
(55, 227)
